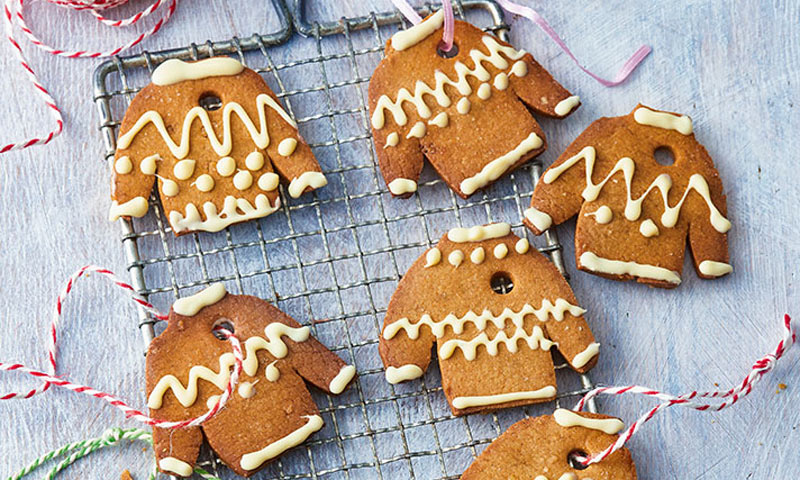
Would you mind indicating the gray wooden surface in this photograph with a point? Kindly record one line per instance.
(733, 66)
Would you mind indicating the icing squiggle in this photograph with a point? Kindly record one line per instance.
(469, 348)
(215, 220)
(633, 207)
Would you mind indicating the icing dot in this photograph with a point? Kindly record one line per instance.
(272, 373)
(463, 106)
(148, 165)
(212, 400)
(417, 131)
(268, 181)
(648, 228)
(184, 169)
(455, 258)
(169, 188)
(484, 91)
(242, 180)
(478, 255)
(123, 165)
(433, 257)
(287, 146)
(204, 183)
(520, 68)
(602, 215)
(392, 140)
(501, 250)
(226, 166)
(254, 160)
(522, 246)
(441, 120)
(246, 390)
(501, 81)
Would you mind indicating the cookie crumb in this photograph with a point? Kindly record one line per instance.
(126, 475)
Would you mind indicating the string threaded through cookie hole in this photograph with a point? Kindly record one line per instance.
(222, 329)
(449, 53)
(575, 457)
(502, 283)
(210, 101)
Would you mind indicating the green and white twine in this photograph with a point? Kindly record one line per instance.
(74, 451)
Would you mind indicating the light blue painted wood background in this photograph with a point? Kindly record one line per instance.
(733, 66)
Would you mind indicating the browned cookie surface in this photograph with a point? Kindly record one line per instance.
(634, 213)
(467, 114)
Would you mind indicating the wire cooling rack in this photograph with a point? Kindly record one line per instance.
(336, 254)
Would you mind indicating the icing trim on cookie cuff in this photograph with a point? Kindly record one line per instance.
(568, 418)
(253, 460)
(469, 348)
(135, 207)
(395, 375)
(411, 36)
(541, 220)
(216, 221)
(486, 400)
(176, 466)
(586, 356)
(714, 269)
(478, 233)
(497, 167)
(567, 105)
(308, 179)
(592, 262)
(189, 306)
(342, 379)
(401, 186)
(175, 71)
(668, 121)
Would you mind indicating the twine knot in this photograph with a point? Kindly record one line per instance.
(112, 436)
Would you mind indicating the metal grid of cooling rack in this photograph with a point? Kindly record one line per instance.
(336, 254)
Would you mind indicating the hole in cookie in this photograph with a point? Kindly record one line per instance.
(449, 54)
(222, 324)
(501, 283)
(574, 457)
(210, 102)
(664, 156)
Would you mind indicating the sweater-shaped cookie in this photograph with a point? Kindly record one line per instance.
(634, 213)
(209, 133)
(467, 113)
(539, 448)
(188, 368)
(494, 307)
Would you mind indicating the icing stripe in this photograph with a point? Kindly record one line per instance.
(342, 379)
(216, 221)
(497, 167)
(401, 186)
(567, 105)
(308, 179)
(585, 356)
(568, 418)
(484, 400)
(135, 207)
(469, 348)
(539, 219)
(395, 375)
(174, 70)
(189, 306)
(668, 121)
(411, 36)
(478, 233)
(714, 269)
(253, 460)
(176, 466)
(592, 262)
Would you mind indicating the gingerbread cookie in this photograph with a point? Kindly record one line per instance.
(495, 307)
(634, 213)
(466, 112)
(209, 133)
(539, 448)
(271, 411)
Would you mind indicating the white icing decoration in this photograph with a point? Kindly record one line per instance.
(175, 71)
(246, 390)
(433, 257)
(274, 344)
(226, 166)
(648, 228)
(184, 169)
(148, 164)
(395, 375)
(260, 135)
(477, 256)
(500, 251)
(501, 81)
(497, 167)
(342, 379)
(204, 183)
(617, 267)
(408, 38)
(308, 179)
(243, 180)
(602, 215)
(522, 246)
(189, 306)
(567, 105)
(268, 181)
(254, 160)
(215, 220)
(463, 106)
(123, 165)
(519, 69)
(455, 258)
(484, 400)
(417, 131)
(469, 348)
(541, 220)
(586, 355)
(547, 309)
(401, 186)
(135, 207)
(253, 460)
(714, 269)
(392, 140)
(461, 84)
(668, 121)
(212, 400)
(287, 147)
(484, 91)
(173, 465)
(441, 120)
(272, 373)
(169, 187)
(633, 207)
(478, 233)
(568, 418)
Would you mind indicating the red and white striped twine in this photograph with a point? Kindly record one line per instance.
(50, 377)
(761, 367)
(13, 16)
